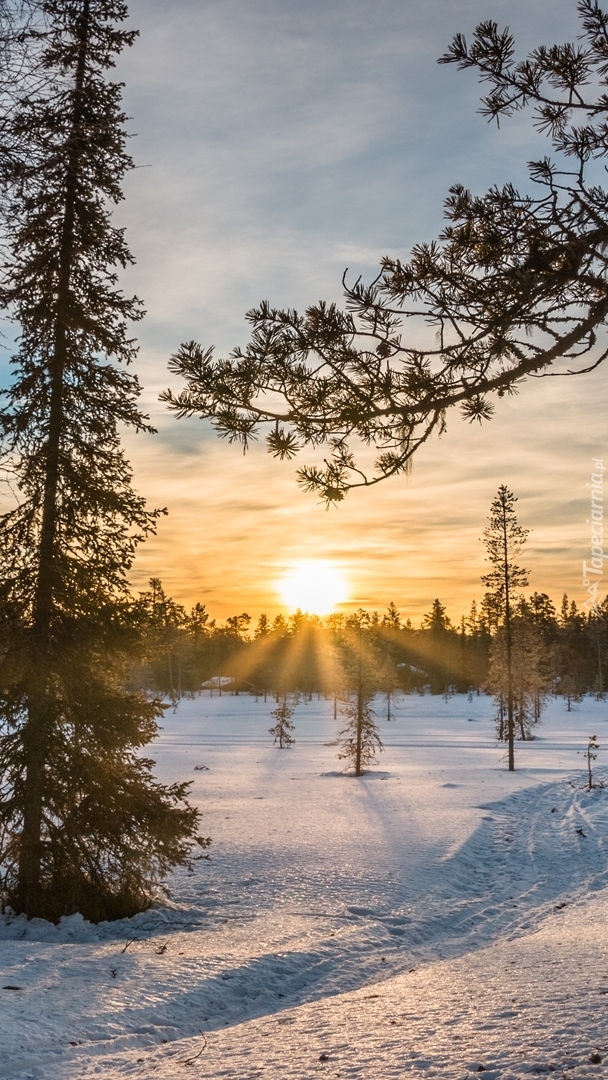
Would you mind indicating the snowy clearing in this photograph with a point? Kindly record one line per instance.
(438, 917)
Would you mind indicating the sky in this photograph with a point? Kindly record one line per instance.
(277, 143)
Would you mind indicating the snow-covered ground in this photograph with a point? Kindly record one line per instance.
(437, 917)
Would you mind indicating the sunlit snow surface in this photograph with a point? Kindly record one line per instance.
(292, 950)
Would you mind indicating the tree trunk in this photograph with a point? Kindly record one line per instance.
(510, 719)
(501, 719)
(358, 754)
(359, 747)
(170, 670)
(38, 720)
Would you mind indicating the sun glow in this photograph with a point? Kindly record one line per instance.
(314, 586)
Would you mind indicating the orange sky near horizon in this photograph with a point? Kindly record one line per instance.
(238, 522)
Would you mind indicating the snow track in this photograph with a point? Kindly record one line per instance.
(321, 886)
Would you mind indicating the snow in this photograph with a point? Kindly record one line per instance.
(437, 917)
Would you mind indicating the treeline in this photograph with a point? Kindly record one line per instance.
(559, 652)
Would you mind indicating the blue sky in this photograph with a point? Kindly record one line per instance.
(282, 141)
(279, 142)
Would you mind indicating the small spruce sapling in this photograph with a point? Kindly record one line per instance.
(359, 740)
(567, 688)
(591, 755)
(283, 727)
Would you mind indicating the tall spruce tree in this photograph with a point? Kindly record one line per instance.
(85, 825)
(504, 539)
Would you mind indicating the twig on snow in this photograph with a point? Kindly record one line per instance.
(190, 1061)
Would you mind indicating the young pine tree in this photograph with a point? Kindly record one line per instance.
(359, 739)
(504, 540)
(165, 629)
(530, 677)
(591, 755)
(283, 728)
(85, 825)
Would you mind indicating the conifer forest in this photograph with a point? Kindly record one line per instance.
(560, 652)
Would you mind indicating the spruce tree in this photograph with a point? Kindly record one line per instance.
(359, 740)
(165, 626)
(85, 825)
(590, 754)
(283, 728)
(504, 539)
(529, 675)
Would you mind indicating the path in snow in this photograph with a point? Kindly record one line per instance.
(319, 883)
(516, 1010)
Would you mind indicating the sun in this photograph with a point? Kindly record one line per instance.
(314, 586)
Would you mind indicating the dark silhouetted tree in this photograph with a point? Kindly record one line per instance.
(440, 649)
(165, 626)
(283, 727)
(591, 755)
(504, 539)
(392, 619)
(530, 675)
(86, 826)
(359, 739)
